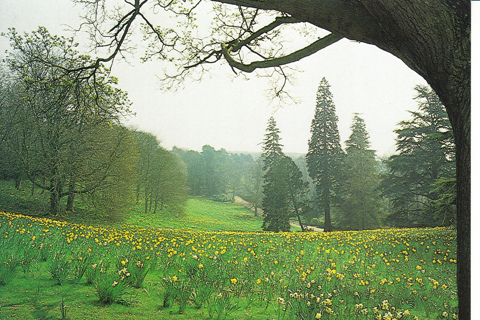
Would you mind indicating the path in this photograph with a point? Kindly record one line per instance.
(260, 211)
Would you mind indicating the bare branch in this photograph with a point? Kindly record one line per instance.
(275, 62)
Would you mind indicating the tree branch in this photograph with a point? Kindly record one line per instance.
(275, 62)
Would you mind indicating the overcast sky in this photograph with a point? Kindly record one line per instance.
(233, 114)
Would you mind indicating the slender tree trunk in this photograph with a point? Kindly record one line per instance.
(54, 199)
(71, 196)
(18, 182)
(146, 201)
(328, 220)
(138, 193)
(295, 207)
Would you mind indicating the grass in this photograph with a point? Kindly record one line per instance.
(52, 269)
(200, 214)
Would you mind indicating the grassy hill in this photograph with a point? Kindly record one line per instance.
(200, 214)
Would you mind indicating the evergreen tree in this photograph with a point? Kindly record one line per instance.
(420, 181)
(275, 201)
(360, 196)
(297, 188)
(325, 153)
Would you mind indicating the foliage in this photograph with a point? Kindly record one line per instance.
(162, 177)
(275, 202)
(325, 154)
(284, 189)
(54, 113)
(216, 174)
(426, 156)
(112, 158)
(360, 195)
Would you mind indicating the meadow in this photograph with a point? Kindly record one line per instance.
(61, 270)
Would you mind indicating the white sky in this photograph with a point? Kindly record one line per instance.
(232, 114)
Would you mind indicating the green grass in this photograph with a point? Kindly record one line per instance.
(204, 270)
(200, 214)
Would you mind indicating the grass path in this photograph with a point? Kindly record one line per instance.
(200, 215)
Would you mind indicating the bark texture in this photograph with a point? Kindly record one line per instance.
(432, 37)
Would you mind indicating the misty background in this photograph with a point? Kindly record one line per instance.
(231, 112)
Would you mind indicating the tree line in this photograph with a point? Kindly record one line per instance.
(61, 130)
(351, 188)
(335, 187)
(221, 176)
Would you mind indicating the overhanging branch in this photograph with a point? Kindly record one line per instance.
(275, 62)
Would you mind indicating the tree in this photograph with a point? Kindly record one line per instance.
(146, 144)
(432, 38)
(275, 190)
(168, 185)
(253, 185)
(57, 112)
(11, 166)
(425, 157)
(106, 176)
(360, 195)
(162, 175)
(194, 163)
(284, 189)
(296, 188)
(325, 154)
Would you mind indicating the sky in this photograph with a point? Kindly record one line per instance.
(232, 113)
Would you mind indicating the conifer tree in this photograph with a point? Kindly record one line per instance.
(275, 202)
(325, 153)
(420, 183)
(360, 196)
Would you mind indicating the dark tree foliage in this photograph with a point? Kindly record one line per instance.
(325, 154)
(297, 189)
(275, 190)
(359, 190)
(284, 189)
(421, 175)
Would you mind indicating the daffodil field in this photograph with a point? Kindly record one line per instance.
(59, 270)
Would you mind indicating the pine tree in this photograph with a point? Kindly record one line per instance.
(275, 201)
(360, 196)
(297, 189)
(325, 153)
(422, 171)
